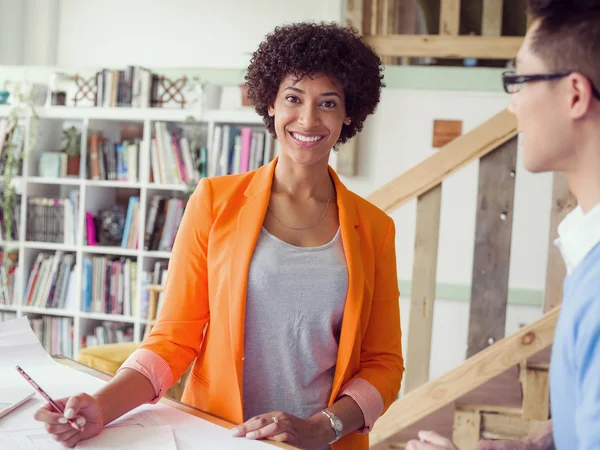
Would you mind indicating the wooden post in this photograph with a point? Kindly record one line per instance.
(356, 16)
(450, 17)
(423, 288)
(493, 232)
(563, 203)
(536, 392)
(491, 21)
(466, 429)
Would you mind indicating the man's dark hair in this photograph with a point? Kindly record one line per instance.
(305, 49)
(568, 37)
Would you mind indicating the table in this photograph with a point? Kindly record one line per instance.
(165, 401)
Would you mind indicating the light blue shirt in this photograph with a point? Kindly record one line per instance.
(575, 364)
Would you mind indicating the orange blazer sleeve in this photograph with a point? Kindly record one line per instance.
(381, 362)
(178, 333)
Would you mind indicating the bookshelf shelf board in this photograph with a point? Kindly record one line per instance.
(107, 250)
(48, 311)
(49, 246)
(113, 183)
(167, 187)
(156, 254)
(118, 114)
(10, 308)
(58, 181)
(108, 317)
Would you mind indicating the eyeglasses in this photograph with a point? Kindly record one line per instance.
(512, 82)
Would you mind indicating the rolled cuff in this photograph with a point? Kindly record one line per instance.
(367, 398)
(153, 367)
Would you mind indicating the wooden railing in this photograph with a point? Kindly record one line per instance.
(474, 372)
(494, 145)
(386, 27)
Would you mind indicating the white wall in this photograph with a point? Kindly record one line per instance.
(175, 33)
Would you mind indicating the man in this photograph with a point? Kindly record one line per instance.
(556, 100)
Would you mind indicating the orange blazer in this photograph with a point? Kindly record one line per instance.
(203, 311)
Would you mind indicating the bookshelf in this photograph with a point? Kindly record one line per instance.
(93, 195)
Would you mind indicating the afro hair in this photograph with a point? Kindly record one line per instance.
(306, 49)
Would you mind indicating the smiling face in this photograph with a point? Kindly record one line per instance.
(309, 114)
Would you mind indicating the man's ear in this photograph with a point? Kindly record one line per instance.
(581, 95)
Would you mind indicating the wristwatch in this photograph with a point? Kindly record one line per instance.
(336, 423)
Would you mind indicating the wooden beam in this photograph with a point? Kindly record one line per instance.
(536, 393)
(452, 157)
(466, 429)
(563, 203)
(474, 372)
(449, 17)
(423, 289)
(353, 14)
(346, 162)
(493, 233)
(436, 46)
(506, 426)
(491, 20)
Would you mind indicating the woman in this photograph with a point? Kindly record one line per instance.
(282, 287)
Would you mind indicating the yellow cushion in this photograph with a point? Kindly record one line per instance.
(107, 358)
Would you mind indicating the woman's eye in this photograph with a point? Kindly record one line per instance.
(329, 104)
(292, 99)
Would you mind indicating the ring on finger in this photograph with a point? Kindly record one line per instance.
(275, 419)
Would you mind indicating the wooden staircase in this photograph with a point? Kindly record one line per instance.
(501, 389)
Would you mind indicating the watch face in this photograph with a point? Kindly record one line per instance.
(337, 424)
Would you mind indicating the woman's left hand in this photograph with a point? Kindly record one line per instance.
(313, 433)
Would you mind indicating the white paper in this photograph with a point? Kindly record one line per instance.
(131, 438)
(20, 431)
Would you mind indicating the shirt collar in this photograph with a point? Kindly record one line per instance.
(578, 235)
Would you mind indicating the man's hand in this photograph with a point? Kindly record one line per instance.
(430, 440)
(279, 426)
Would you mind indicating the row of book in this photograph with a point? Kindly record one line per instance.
(164, 217)
(51, 282)
(108, 333)
(55, 334)
(238, 150)
(173, 158)
(109, 285)
(117, 161)
(7, 315)
(135, 87)
(52, 219)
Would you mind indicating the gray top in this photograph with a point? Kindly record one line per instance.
(294, 308)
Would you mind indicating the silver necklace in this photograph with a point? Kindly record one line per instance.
(310, 226)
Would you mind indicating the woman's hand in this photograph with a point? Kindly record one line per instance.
(313, 433)
(430, 440)
(86, 411)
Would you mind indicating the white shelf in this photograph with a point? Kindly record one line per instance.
(59, 181)
(8, 308)
(156, 254)
(49, 246)
(110, 317)
(96, 195)
(107, 250)
(167, 187)
(113, 183)
(48, 311)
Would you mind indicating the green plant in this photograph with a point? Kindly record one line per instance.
(22, 108)
(72, 137)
